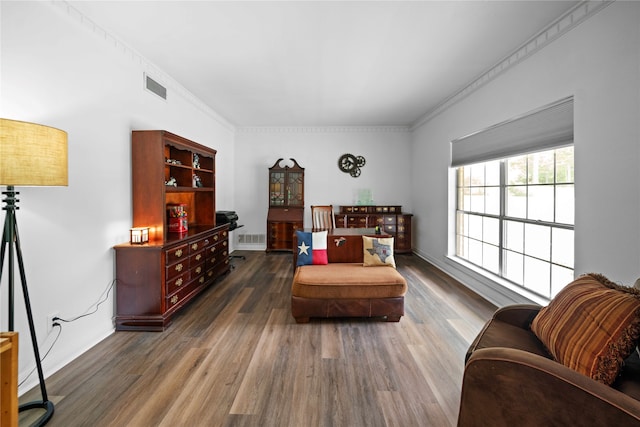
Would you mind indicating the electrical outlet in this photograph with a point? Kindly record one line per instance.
(50, 321)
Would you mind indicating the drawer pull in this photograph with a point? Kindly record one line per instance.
(179, 267)
(215, 237)
(194, 246)
(198, 270)
(213, 260)
(213, 249)
(178, 253)
(224, 253)
(201, 280)
(224, 243)
(210, 273)
(179, 282)
(389, 219)
(224, 233)
(174, 299)
(198, 257)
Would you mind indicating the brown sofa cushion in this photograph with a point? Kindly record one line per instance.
(591, 326)
(347, 280)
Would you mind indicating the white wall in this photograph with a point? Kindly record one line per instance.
(385, 173)
(58, 72)
(598, 63)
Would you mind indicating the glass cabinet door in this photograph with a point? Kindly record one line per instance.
(295, 189)
(277, 188)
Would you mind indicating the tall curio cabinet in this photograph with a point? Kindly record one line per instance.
(286, 205)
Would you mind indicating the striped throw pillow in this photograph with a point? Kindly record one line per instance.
(591, 326)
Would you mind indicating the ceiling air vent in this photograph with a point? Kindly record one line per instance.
(155, 87)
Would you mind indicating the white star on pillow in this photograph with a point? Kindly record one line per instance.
(303, 249)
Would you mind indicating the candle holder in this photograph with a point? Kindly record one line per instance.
(139, 235)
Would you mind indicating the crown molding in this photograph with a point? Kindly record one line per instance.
(322, 129)
(566, 22)
(147, 66)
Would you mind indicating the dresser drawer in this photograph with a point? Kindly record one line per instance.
(390, 228)
(177, 253)
(177, 282)
(174, 270)
(219, 236)
(175, 299)
(389, 220)
(197, 257)
(198, 270)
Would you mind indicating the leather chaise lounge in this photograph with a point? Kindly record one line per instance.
(345, 287)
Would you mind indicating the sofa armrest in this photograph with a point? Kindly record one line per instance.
(520, 315)
(508, 387)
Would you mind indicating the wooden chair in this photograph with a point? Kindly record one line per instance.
(322, 217)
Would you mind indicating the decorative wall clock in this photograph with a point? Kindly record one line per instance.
(348, 163)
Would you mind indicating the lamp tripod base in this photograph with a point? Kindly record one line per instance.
(46, 405)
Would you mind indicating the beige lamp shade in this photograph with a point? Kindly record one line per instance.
(32, 154)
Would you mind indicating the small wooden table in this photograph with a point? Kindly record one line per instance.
(9, 379)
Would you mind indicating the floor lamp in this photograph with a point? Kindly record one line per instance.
(30, 155)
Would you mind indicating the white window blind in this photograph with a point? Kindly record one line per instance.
(545, 128)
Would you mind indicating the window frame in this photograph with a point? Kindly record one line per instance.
(462, 232)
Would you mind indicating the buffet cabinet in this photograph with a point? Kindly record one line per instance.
(184, 254)
(390, 219)
(155, 281)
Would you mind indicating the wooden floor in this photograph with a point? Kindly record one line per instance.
(236, 357)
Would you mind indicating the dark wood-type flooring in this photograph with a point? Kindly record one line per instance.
(236, 357)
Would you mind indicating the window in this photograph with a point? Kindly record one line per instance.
(515, 218)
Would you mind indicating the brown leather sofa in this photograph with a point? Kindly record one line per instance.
(511, 380)
(344, 287)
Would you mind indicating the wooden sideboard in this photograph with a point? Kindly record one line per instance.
(155, 280)
(390, 218)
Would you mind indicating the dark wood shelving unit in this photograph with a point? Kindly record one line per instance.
(156, 280)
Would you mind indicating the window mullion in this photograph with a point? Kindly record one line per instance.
(501, 225)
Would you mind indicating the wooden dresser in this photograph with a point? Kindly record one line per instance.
(391, 220)
(157, 279)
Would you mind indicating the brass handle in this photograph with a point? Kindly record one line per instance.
(179, 282)
(179, 267)
(224, 243)
(194, 246)
(224, 233)
(210, 273)
(198, 257)
(178, 253)
(216, 237)
(198, 270)
(201, 280)
(213, 249)
(224, 253)
(174, 299)
(213, 260)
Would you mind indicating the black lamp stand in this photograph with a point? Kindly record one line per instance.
(11, 240)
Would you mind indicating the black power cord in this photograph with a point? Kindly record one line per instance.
(56, 323)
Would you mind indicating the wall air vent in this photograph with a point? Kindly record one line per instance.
(251, 239)
(155, 87)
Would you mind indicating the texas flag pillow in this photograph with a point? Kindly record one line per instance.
(312, 247)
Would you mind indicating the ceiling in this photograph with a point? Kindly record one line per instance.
(323, 63)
